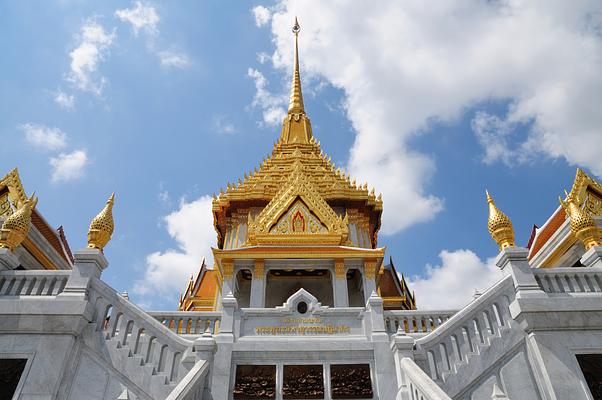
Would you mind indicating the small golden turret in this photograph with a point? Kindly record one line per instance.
(499, 225)
(16, 226)
(583, 225)
(101, 227)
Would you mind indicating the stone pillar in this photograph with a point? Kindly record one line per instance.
(593, 257)
(89, 263)
(8, 260)
(369, 278)
(402, 346)
(514, 261)
(227, 270)
(341, 297)
(258, 285)
(384, 375)
(220, 375)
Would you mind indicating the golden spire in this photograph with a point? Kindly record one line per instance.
(296, 127)
(295, 104)
(101, 227)
(499, 225)
(16, 226)
(582, 224)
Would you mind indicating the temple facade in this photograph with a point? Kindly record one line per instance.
(300, 301)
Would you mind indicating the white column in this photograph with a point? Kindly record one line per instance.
(514, 261)
(258, 285)
(369, 278)
(592, 257)
(89, 263)
(341, 297)
(8, 260)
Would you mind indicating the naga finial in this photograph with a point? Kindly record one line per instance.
(16, 227)
(101, 227)
(499, 225)
(582, 225)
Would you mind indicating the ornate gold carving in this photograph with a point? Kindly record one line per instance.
(499, 225)
(102, 226)
(370, 269)
(258, 270)
(16, 226)
(297, 187)
(582, 225)
(227, 269)
(339, 268)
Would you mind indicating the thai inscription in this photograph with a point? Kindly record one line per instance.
(303, 326)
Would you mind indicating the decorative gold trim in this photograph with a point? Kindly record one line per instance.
(339, 268)
(499, 225)
(258, 269)
(301, 252)
(370, 269)
(297, 186)
(38, 254)
(227, 268)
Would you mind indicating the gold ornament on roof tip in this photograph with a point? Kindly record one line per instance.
(582, 224)
(101, 227)
(16, 226)
(499, 225)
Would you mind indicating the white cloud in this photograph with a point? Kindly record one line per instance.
(452, 284)
(191, 226)
(68, 166)
(272, 105)
(142, 16)
(222, 125)
(94, 43)
(173, 59)
(404, 65)
(44, 136)
(262, 15)
(64, 100)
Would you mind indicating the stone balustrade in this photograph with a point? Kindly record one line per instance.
(189, 322)
(467, 331)
(33, 282)
(414, 322)
(569, 280)
(143, 337)
(418, 385)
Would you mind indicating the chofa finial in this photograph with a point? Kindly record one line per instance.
(101, 227)
(16, 227)
(582, 224)
(499, 225)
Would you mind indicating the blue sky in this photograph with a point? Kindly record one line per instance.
(164, 103)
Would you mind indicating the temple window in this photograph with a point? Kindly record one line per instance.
(283, 283)
(242, 288)
(355, 288)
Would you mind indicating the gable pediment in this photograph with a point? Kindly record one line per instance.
(298, 215)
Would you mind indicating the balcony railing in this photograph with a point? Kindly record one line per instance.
(33, 282)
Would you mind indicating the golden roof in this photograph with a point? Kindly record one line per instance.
(296, 145)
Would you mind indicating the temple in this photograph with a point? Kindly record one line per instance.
(300, 301)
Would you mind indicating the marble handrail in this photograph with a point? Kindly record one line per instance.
(192, 385)
(144, 336)
(414, 322)
(418, 384)
(469, 329)
(189, 322)
(569, 280)
(33, 282)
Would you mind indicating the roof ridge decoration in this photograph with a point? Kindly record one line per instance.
(16, 226)
(587, 190)
(16, 192)
(582, 224)
(298, 186)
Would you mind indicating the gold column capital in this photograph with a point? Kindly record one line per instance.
(227, 268)
(370, 269)
(339, 268)
(259, 269)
